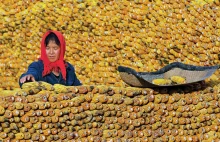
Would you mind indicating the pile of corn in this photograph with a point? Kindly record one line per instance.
(42, 112)
(101, 35)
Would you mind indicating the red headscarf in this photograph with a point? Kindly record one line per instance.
(58, 65)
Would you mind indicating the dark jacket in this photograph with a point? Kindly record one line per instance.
(36, 69)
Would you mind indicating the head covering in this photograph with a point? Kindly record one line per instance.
(58, 65)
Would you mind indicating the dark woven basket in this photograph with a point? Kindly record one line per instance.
(144, 79)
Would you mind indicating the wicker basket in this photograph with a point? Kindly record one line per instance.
(144, 79)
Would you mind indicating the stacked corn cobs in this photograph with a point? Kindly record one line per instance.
(100, 35)
(42, 112)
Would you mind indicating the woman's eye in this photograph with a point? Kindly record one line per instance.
(56, 48)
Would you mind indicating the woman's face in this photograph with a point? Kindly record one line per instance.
(52, 51)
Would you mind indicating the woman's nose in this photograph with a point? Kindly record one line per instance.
(51, 51)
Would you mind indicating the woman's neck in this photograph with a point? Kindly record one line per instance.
(57, 73)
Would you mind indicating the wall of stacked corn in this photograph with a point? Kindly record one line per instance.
(42, 112)
(100, 35)
(142, 34)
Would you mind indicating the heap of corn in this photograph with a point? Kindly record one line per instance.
(42, 112)
(100, 35)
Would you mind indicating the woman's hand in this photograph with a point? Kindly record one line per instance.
(28, 77)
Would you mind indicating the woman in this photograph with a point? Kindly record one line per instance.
(51, 66)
